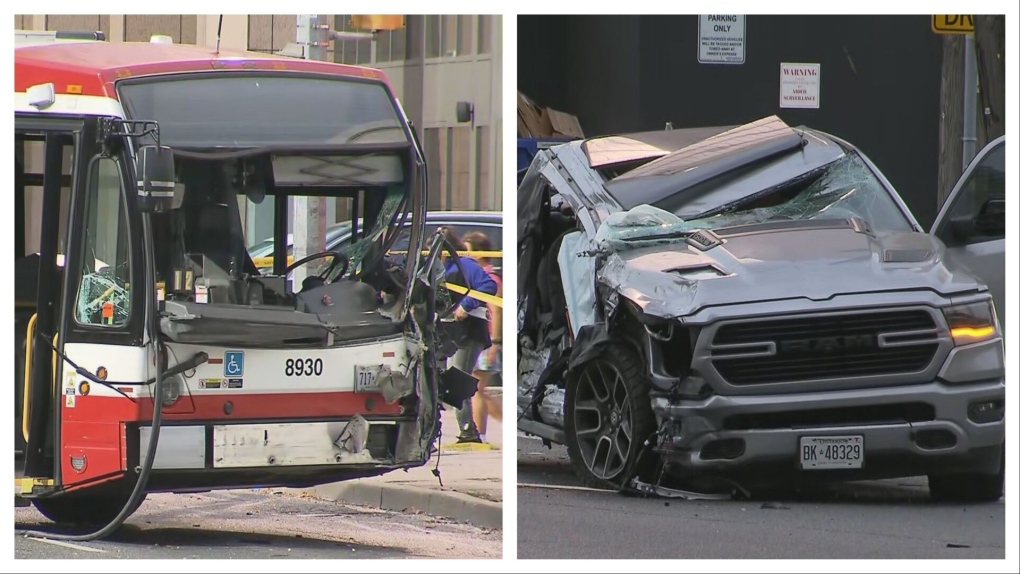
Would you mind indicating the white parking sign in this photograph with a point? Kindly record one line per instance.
(721, 39)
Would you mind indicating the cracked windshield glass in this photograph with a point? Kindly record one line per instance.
(842, 189)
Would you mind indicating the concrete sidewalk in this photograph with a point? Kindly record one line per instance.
(472, 481)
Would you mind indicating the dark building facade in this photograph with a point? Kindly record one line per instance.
(880, 81)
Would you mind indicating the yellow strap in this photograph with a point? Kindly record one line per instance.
(484, 297)
(267, 261)
(475, 254)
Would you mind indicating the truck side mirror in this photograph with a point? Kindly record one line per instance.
(156, 180)
(991, 219)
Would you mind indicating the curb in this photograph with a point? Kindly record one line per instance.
(400, 498)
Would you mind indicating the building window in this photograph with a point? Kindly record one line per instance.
(391, 45)
(356, 52)
(434, 144)
(485, 34)
(449, 36)
(433, 36)
(465, 34)
(483, 189)
(415, 30)
(461, 194)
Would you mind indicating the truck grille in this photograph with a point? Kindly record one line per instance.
(822, 347)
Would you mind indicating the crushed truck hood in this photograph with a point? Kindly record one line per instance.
(777, 263)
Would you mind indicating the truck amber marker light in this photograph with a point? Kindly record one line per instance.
(965, 335)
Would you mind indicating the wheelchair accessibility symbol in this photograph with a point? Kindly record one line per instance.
(233, 363)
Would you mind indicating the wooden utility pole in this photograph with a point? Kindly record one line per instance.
(951, 116)
(990, 41)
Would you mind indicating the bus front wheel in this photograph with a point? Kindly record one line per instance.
(81, 509)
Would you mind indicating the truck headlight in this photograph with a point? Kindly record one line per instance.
(971, 323)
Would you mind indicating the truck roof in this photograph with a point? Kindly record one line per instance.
(92, 68)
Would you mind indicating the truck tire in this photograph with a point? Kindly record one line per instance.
(971, 487)
(608, 416)
(82, 509)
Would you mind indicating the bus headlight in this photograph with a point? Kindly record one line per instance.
(971, 323)
(172, 390)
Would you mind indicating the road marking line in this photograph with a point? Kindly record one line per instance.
(563, 487)
(67, 544)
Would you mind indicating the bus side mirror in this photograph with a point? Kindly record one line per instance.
(156, 179)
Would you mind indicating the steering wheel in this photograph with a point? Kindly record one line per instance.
(337, 257)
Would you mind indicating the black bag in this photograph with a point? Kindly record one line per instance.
(470, 331)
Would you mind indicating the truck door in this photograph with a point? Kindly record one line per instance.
(972, 222)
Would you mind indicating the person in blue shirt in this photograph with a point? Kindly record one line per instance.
(472, 333)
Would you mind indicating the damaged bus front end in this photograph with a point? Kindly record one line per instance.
(344, 359)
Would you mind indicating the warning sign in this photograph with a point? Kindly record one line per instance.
(721, 39)
(800, 85)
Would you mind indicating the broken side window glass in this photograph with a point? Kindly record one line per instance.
(643, 226)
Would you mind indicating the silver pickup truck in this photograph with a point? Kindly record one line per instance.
(757, 305)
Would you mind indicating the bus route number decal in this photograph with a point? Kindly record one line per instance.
(303, 368)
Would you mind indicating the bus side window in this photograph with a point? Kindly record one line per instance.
(103, 294)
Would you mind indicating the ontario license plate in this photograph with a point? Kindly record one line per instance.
(831, 452)
(366, 378)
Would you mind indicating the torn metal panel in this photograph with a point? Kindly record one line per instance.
(394, 385)
(530, 366)
(728, 179)
(612, 150)
(551, 406)
(769, 133)
(354, 437)
(664, 492)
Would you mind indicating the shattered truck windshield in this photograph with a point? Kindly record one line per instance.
(789, 188)
(843, 189)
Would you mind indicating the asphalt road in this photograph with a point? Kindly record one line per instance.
(878, 519)
(264, 524)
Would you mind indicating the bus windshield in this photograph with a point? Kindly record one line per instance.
(244, 110)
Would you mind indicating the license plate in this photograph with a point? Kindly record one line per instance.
(831, 452)
(366, 378)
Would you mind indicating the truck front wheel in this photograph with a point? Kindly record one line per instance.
(608, 417)
(971, 487)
